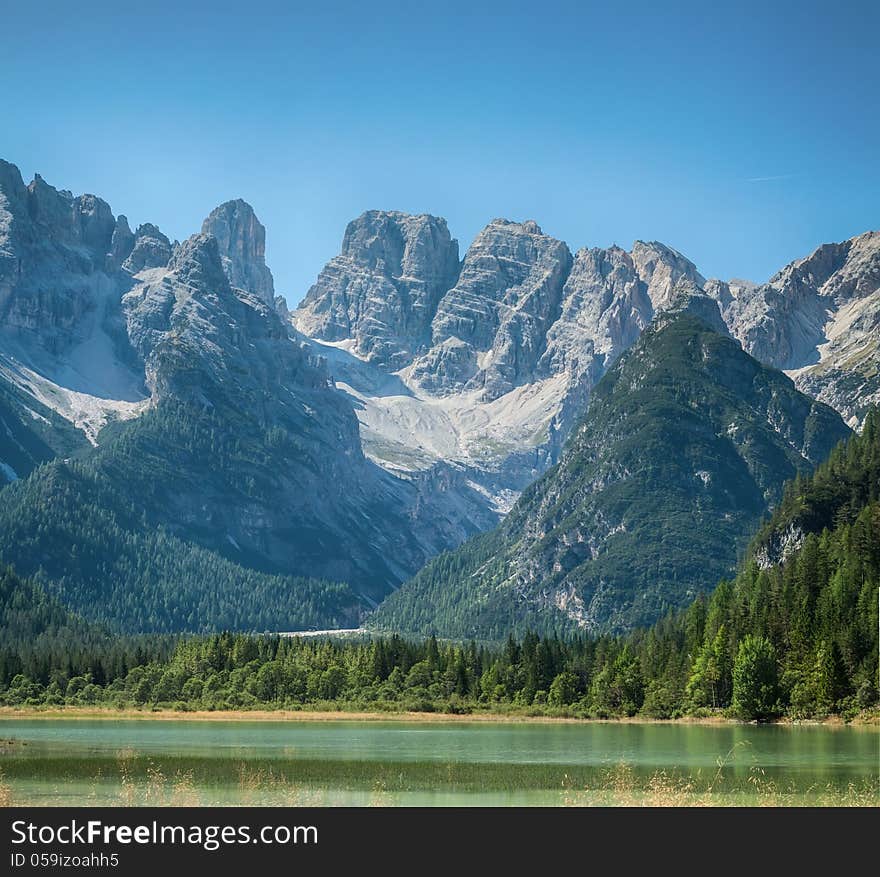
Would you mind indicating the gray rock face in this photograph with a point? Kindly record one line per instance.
(818, 319)
(467, 377)
(483, 400)
(382, 291)
(204, 339)
(13, 228)
(506, 298)
(608, 300)
(605, 307)
(524, 334)
(192, 328)
(121, 244)
(53, 252)
(211, 346)
(150, 249)
(580, 548)
(689, 298)
(85, 221)
(241, 238)
(660, 268)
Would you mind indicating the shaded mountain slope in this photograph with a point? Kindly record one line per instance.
(685, 446)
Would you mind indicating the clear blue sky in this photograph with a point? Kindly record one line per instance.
(742, 134)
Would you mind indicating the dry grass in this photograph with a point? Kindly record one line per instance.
(324, 715)
(6, 799)
(623, 788)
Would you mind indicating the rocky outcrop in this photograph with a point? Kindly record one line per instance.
(322, 508)
(818, 319)
(491, 327)
(195, 332)
(150, 249)
(688, 298)
(121, 243)
(53, 253)
(779, 546)
(660, 268)
(381, 292)
(252, 450)
(520, 340)
(467, 378)
(241, 239)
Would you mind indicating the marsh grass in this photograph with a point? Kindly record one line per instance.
(129, 778)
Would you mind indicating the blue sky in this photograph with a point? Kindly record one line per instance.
(744, 136)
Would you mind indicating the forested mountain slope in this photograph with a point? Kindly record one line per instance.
(685, 446)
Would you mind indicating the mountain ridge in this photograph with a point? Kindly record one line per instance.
(403, 407)
(683, 450)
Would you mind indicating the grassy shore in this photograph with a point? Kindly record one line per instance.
(324, 715)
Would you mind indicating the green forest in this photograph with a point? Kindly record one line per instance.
(795, 634)
(118, 560)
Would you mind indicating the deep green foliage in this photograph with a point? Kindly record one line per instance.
(755, 679)
(797, 637)
(87, 547)
(31, 433)
(103, 546)
(41, 640)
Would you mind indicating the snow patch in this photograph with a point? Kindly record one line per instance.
(86, 412)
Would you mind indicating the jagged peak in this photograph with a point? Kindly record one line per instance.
(828, 258)
(528, 226)
(396, 216)
(196, 247)
(197, 262)
(41, 191)
(366, 236)
(660, 247)
(689, 298)
(150, 248)
(643, 250)
(230, 210)
(241, 240)
(596, 254)
(10, 177)
(148, 230)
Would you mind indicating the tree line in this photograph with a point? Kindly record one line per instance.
(794, 633)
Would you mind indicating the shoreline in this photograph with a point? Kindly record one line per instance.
(111, 714)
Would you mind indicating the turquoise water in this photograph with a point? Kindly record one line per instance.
(77, 761)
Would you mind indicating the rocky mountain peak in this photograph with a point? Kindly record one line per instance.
(382, 291)
(684, 447)
(241, 238)
(197, 263)
(689, 298)
(122, 242)
(529, 226)
(85, 221)
(56, 262)
(661, 267)
(490, 329)
(819, 319)
(10, 179)
(150, 249)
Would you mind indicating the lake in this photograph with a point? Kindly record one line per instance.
(388, 763)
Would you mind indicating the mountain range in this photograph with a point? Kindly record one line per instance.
(490, 376)
(183, 452)
(685, 445)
